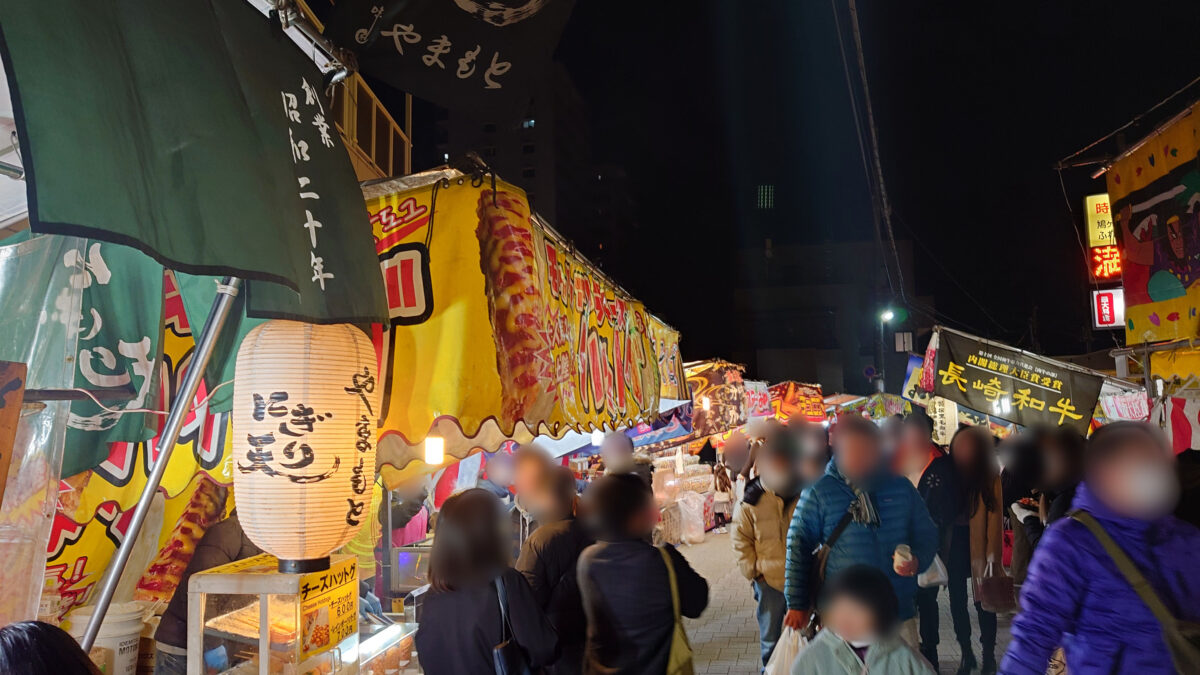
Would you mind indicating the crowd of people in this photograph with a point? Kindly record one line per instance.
(1097, 574)
(846, 539)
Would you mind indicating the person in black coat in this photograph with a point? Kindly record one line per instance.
(625, 585)
(461, 621)
(548, 560)
(221, 544)
(1061, 471)
(932, 473)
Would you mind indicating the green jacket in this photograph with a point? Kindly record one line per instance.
(828, 654)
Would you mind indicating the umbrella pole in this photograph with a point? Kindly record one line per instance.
(227, 290)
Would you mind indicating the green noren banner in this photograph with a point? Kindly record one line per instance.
(198, 133)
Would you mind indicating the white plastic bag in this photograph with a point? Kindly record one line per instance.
(691, 514)
(785, 652)
(935, 575)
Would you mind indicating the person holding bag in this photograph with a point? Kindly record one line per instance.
(1115, 583)
(480, 615)
(634, 594)
(976, 546)
(862, 514)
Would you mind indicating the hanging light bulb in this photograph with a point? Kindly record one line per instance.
(435, 450)
(597, 437)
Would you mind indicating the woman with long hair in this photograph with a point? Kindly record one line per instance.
(976, 542)
(470, 578)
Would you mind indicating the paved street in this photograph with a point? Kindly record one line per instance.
(725, 638)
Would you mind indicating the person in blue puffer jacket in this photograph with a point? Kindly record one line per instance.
(1075, 597)
(887, 512)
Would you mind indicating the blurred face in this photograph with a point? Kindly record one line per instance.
(850, 620)
(1139, 481)
(778, 475)
(616, 454)
(964, 450)
(526, 476)
(1054, 466)
(500, 471)
(857, 455)
(642, 524)
(812, 467)
(914, 449)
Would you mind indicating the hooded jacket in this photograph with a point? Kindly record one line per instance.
(903, 519)
(1075, 597)
(759, 538)
(828, 654)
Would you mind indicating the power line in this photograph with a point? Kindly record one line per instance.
(862, 151)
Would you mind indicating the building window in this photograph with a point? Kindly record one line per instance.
(528, 172)
(489, 128)
(528, 148)
(528, 123)
(766, 197)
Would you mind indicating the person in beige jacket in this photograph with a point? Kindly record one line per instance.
(760, 524)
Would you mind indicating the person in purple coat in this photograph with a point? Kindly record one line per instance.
(1076, 598)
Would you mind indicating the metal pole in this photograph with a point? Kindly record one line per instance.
(227, 290)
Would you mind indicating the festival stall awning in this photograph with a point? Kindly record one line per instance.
(498, 329)
(673, 423)
(797, 400)
(758, 400)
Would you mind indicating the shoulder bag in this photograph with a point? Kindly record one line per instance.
(679, 661)
(507, 656)
(817, 575)
(1182, 637)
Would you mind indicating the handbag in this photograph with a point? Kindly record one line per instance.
(994, 592)
(1182, 637)
(936, 575)
(817, 576)
(679, 660)
(507, 656)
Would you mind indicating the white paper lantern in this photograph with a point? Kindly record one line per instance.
(305, 415)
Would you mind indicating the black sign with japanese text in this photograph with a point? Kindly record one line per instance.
(1013, 385)
(461, 54)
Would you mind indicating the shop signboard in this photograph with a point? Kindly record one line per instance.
(497, 328)
(1108, 308)
(758, 399)
(328, 606)
(1153, 191)
(944, 414)
(1105, 266)
(718, 396)
(913, 390)
(672, 381)
(1013, 385)
(797, 400)
(464, 55)
(1099, 221)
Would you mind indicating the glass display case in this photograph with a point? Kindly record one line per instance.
(271, 622)
(387, 648)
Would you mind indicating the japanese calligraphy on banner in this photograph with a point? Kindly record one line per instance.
(1012, 385)
(944, 414)
(718, 396)
(672, 381)
(1153, 192)
(465, 54)
(497, 328)
(797, 400)
(758, 399)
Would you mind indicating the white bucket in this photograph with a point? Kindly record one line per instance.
(120, 632)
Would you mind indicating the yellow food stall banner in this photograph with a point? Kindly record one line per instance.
(496, 328)
(672, 380)
(328, 607)
(1152, 193)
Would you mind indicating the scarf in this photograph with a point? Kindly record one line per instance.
(862, 510)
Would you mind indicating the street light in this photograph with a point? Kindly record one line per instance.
(884, 317)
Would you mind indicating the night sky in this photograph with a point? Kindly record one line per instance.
(975, 104)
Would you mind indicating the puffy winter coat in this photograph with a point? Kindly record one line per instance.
(1075, 597)
(903, 519)
(828, 654)
(760, 527)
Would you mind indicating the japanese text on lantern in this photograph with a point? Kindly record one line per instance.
(439, 49)
(302, 153)
(361, 475)
(294, 425)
